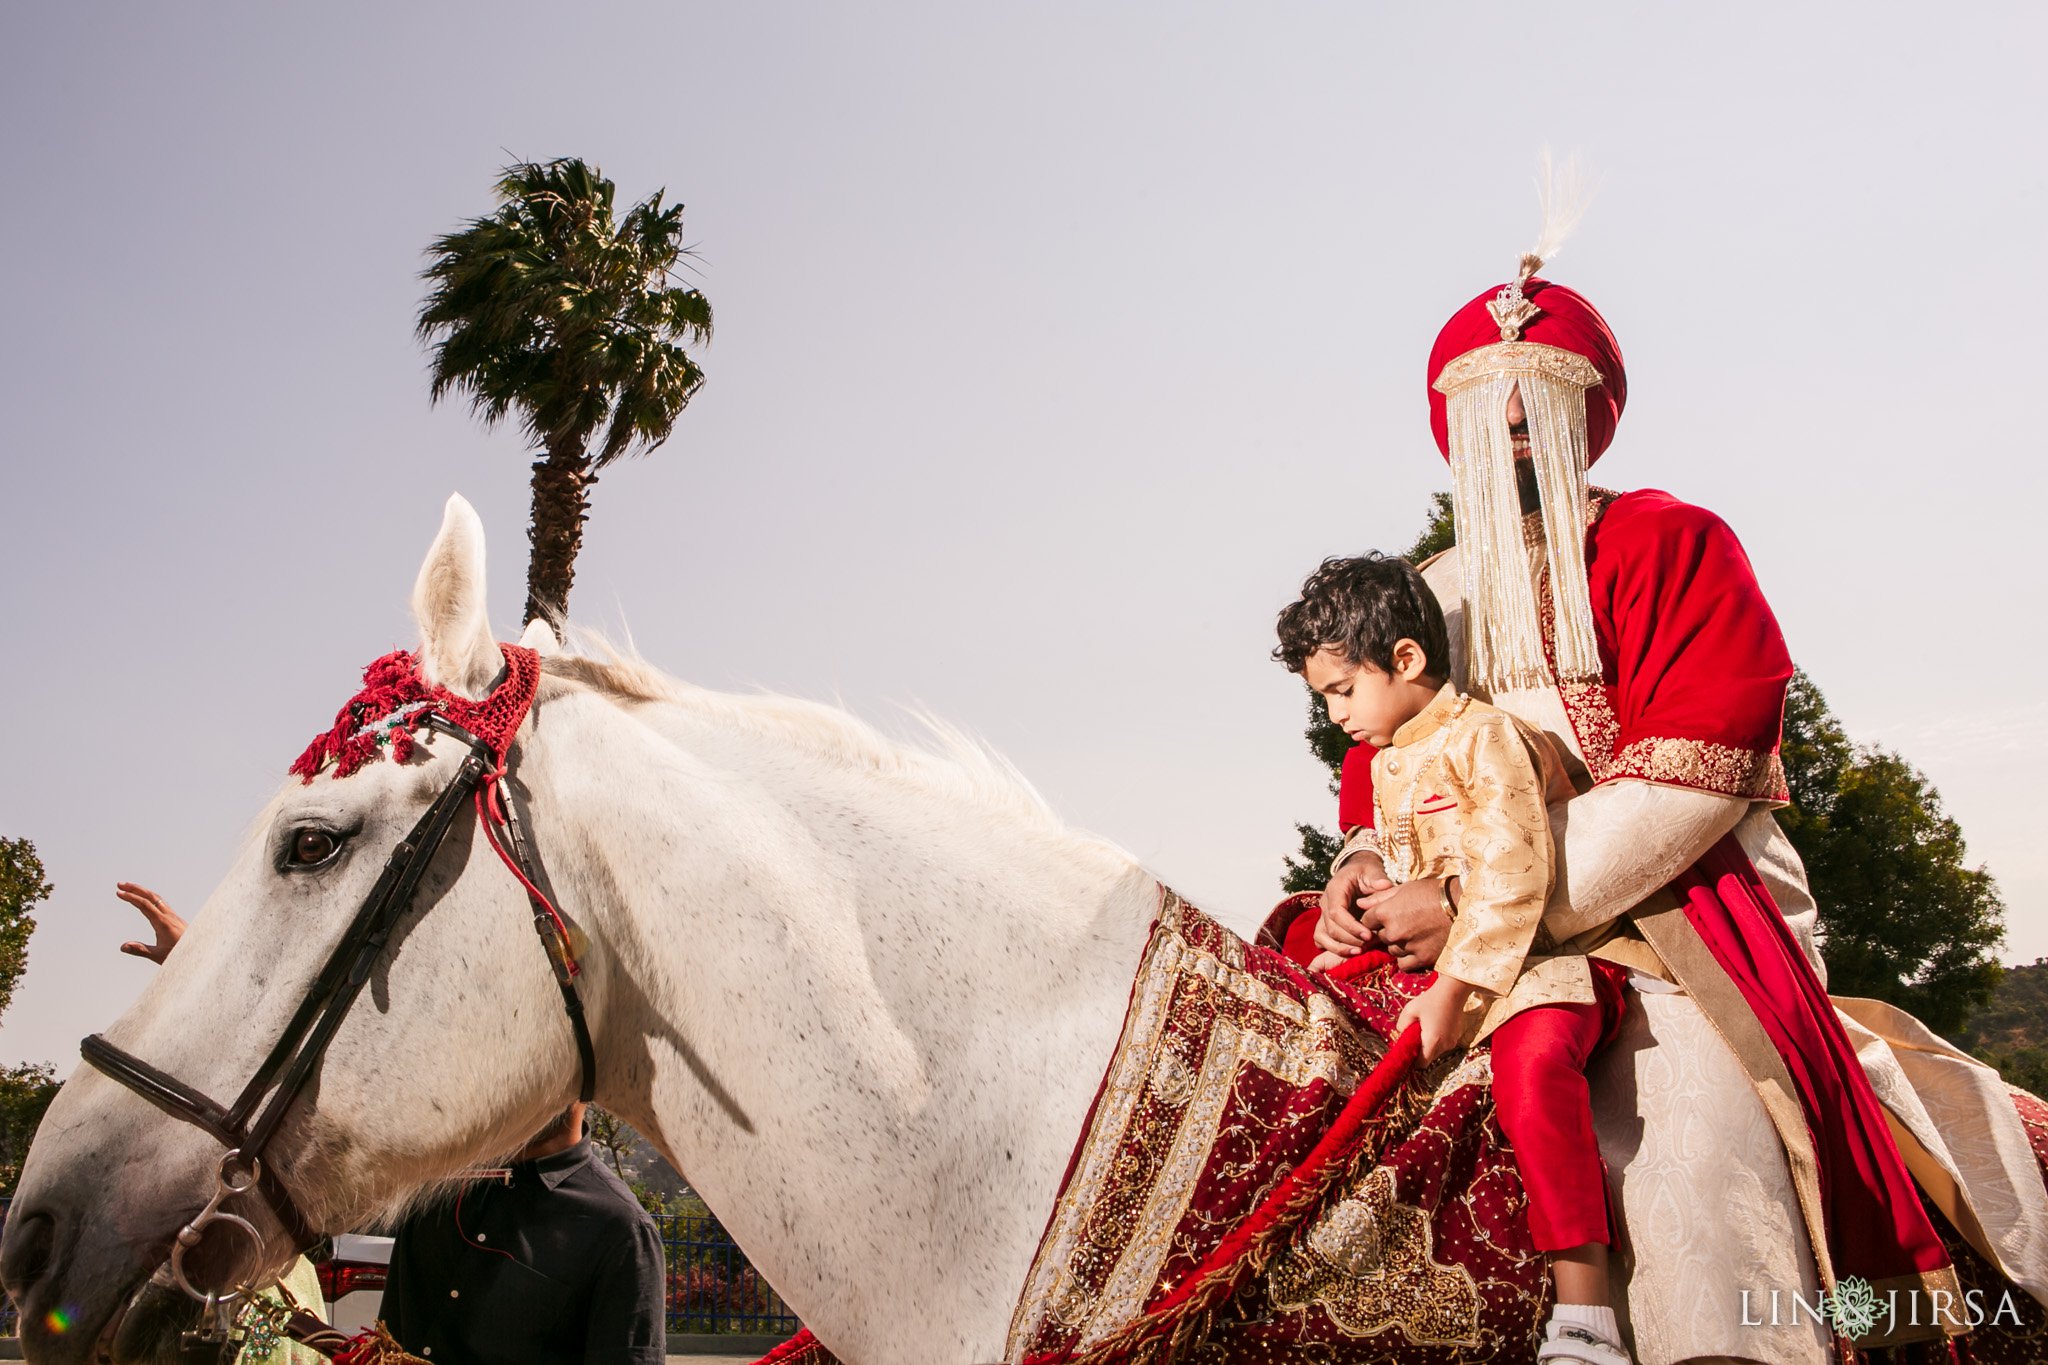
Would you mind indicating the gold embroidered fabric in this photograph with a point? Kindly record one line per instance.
(1230, 1080)
(1464, 791)
(1370, 1263)
(1362, 839)
(1168, 1095)
(1754, 773)
(1517, 357)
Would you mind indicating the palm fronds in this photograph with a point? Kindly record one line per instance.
(562, 309)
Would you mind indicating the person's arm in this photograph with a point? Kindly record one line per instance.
(1687, 739)
(1614, 847)
(1361, 842)
(1681, 745)
(1358, 870)
(1625, 839)
(1504, 847)
(628, 1322)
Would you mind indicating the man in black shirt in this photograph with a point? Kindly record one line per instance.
(551, 1262)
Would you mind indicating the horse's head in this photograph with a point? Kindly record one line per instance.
(455, 1051)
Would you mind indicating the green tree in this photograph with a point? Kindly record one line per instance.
(25, 1090)
(1440, 533)
(561, 309)
(1903, 918)
(2011, 1032)
(610, 1134)
(22, 888)
(1309, 869)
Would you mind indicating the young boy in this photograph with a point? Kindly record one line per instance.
(1460, 790)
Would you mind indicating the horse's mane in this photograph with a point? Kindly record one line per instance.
(953, 763)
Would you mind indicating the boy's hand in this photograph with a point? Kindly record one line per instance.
(1440, 1010)
(1338, 929)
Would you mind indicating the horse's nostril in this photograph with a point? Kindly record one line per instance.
(25, 1255)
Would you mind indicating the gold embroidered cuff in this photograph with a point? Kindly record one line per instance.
(1491, 972)
(1362, 839)
(1753, 774)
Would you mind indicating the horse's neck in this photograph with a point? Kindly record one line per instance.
(866, 1023)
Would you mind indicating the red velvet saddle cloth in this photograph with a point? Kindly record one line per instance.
(1262, 1174)
(1264, 1177)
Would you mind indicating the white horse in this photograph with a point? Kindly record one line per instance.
(862, 994)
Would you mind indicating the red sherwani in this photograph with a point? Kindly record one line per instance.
(1693, 695)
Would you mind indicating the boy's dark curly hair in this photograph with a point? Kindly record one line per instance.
(1362, 608)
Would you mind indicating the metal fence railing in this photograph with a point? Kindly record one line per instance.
(711, 1285)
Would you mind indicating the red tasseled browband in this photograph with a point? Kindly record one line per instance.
(396, 698)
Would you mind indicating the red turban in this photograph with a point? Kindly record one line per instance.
(1567, 322)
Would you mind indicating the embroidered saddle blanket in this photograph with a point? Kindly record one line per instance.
(1264, 1177)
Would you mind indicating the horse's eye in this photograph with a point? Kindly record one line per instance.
(313, 846)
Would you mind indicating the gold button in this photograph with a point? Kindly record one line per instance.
(455, 1293)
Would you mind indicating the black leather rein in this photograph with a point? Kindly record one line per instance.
(247, 1130)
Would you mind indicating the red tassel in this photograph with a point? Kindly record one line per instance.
(394, 682)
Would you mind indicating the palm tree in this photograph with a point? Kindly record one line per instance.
(558, 308)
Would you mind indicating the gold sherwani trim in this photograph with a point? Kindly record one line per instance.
(1361, 840)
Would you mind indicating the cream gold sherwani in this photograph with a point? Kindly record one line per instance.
(1464, 790)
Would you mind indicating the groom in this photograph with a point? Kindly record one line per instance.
(1631, 627)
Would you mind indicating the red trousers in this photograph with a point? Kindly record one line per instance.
(1544, 1106)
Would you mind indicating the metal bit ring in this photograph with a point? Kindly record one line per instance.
(225, 1187)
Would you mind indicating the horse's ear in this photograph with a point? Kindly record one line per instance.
(456, 647)
(540, 638)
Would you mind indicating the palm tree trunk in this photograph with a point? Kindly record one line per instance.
(561, 487)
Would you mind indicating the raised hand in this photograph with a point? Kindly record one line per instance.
(165, 922)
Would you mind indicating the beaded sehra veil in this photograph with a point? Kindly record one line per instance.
(1504, 636)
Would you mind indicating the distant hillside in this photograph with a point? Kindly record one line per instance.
(2011, 1032)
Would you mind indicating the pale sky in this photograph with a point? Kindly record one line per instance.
(1056, 343)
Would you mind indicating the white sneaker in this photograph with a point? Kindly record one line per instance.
(1567, 1343)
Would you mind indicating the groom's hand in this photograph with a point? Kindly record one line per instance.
(1409, 920)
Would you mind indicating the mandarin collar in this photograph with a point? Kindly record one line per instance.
(1443, 708)
(556, 1167)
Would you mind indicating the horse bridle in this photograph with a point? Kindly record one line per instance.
(247, 1127)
